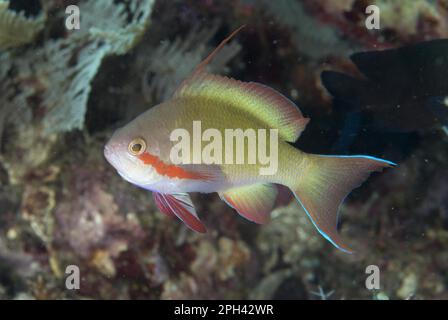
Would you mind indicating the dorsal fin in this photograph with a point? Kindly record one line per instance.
(206, 61)
(200, 68)
(260, 101)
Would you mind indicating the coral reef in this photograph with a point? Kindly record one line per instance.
(16, 29)
(64, 92)
(165, 67)
(54, 80)
(400, 22)
(312, 38)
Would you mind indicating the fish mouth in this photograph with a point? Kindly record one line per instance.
(113, 161)
(111, 156)
(107, 153)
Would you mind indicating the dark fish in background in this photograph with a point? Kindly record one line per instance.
(352, 124)
(439, 107)
(404, 89)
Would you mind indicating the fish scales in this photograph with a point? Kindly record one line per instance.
(174, 149)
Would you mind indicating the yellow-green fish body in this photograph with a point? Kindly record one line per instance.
(184, 112)
(183, 145)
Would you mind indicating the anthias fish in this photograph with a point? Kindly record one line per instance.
(142, 153)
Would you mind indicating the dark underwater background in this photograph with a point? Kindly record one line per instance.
(377, 92)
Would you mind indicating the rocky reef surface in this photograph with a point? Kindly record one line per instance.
(64, 92)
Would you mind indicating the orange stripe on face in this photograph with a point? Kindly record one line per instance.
(169, 170)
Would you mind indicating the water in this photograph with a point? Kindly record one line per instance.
(72, 227)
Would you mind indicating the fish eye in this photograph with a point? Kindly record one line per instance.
(137, 146)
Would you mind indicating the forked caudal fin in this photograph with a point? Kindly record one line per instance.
(325, 182)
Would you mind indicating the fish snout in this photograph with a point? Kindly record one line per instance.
(110, 153)
(107, 151)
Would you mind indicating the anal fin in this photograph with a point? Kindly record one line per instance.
(253, 202)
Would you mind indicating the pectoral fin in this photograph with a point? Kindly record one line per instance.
(181, 206)
(253, 202)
